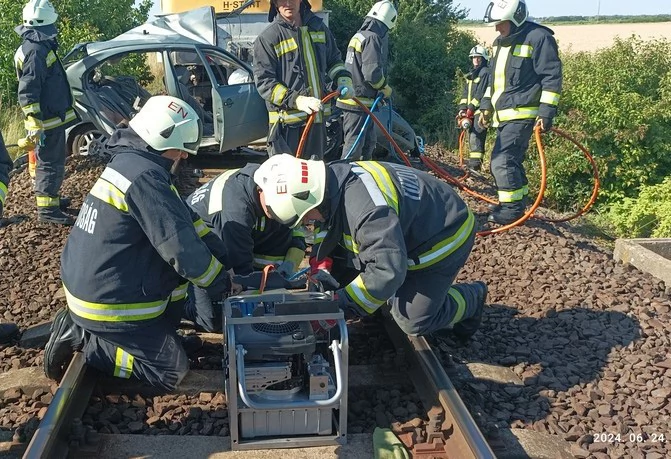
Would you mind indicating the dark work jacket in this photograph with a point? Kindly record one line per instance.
(526, 77)
(477, 82)
(229, 204)
(44, 91)
(5, 167)
(135, 244)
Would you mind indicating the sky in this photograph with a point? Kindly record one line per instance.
(544, 8)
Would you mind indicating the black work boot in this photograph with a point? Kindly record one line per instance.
(7, 332)
(66, 338)
(507, 213)
(467, 327)
(190, 343)
(54, 215)
(474, 164)
(64, 202)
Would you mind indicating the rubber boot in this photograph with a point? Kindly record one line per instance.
(474, 164)
(7, 332)
(54, 215)
(467, 327)
(64, 202)
(66, 338)
(507, 213)
(190, 343)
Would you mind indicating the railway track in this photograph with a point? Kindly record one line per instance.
(448, 431)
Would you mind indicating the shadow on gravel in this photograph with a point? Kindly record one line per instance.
(564, 351)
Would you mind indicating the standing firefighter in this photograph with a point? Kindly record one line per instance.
(295, 59)
(231, 205)
(477, 82)
(525, 88)
(134, 247)
(46, 101)
(402, 233)
(366, 59)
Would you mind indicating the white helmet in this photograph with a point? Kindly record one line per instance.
(385, 12)
(166, 122)
(39, 13)
(506, 10)
(479, 50)
(291, 187)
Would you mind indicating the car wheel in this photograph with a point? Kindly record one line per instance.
(87, 141)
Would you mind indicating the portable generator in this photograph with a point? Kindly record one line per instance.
(286, 377)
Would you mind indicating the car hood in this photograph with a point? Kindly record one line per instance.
(198, 25)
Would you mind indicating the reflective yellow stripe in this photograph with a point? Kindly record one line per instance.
(470, 89)
(499, 83)
(216, 203)
(123, 364)
(294, 255)
(488, 92)
(277, 96)
(318, 37)
(260, 224)
(445, 247)
(525, 190)
(364, 100)
(384, 182)
(117, 179)
(549, 97)
(201, 227)
(320, 236)
(293, 116)
(523, 50)
(311, 69)
(379, 84)
(297, 233)
(355, 42)
(32, 108)
(55, 122)
(475, 102)
(358, 292)
(336, 69)
(285, 46)
(51, 58)
(47, 201)
(101, 312)
(3, 193)
(520, 113)
(212, 271)
(512, 196)
(265, 260)
(350, 244)
(476, 155)
(109, 194)
(179, 293)
(461, 304)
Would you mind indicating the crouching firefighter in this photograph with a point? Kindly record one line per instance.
(477, 81)
(231, 206)
(132, 251)
(386, 232)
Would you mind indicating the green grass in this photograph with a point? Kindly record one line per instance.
(11, 124)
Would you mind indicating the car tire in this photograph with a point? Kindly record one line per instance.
(86, 140)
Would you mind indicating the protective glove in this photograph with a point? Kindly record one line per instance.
(545, 123)
(461, 114)
(35, 128)
(484, 121)
(292, 259)
(386, 90)
(308, 104)
(345, 88)
(321, 271)
(26, 143)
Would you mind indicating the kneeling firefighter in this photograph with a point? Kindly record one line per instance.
(133, 249)
(387, 232)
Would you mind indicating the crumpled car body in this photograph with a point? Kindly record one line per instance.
(175, 54)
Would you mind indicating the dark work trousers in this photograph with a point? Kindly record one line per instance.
(200, 310)
(477, 139)
(50, 168)
(152, 354)
(284, 138)
(512, 141)
(353, 121)
(427, 301)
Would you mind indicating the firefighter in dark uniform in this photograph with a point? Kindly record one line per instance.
(366, 60)
(405, 234)
(7, 330)
(295, 60)
(477, 82)
(134, 248)
(525, 88)
(46, 101)
(230, 205)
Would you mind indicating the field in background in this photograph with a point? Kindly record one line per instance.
(588, 37)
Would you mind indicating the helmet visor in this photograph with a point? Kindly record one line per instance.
(192, 147)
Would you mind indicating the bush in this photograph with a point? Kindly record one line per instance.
(617, 101)
(647, 216)
(426, 49)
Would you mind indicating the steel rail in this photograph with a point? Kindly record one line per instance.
(463, 439)
(51, 440)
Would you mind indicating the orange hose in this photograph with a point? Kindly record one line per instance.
(308, 125)
(264, 277)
